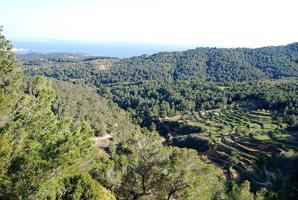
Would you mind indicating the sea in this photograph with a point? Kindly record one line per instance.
(109, 49)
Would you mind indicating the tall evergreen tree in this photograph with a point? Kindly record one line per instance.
(38, 152)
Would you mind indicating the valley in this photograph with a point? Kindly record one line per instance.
(148, 100)
(205, 123)
(236, 110)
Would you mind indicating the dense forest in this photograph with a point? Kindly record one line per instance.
(168, 83)
(207, 64)
(161, 116)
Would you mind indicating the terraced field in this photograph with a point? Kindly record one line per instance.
(242, 142)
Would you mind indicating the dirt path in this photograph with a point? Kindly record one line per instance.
(244, 147)
(232, 148)
(102, 141)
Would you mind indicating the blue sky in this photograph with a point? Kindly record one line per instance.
(228, 23)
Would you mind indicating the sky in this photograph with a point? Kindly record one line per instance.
(221, 23)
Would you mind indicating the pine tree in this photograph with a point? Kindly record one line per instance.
(37, 150)
(10, 79)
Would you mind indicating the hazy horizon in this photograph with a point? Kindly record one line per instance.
(126, 28)
(97, 48)
(196, 23)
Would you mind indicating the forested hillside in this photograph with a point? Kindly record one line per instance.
(210, 64)
(48, 131)
(42, 157)
(216, 124)
(82, 103)
(236, 107)
(148, 100)
(166, 84)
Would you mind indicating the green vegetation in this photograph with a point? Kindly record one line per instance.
(208, 64)
(165, 84)
(38, 151)
(246, 144)
(227, 117)
(82, 103)
(47, 150)
(152, 171)
(148, 100)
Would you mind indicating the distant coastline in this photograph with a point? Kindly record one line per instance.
(111, 49)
